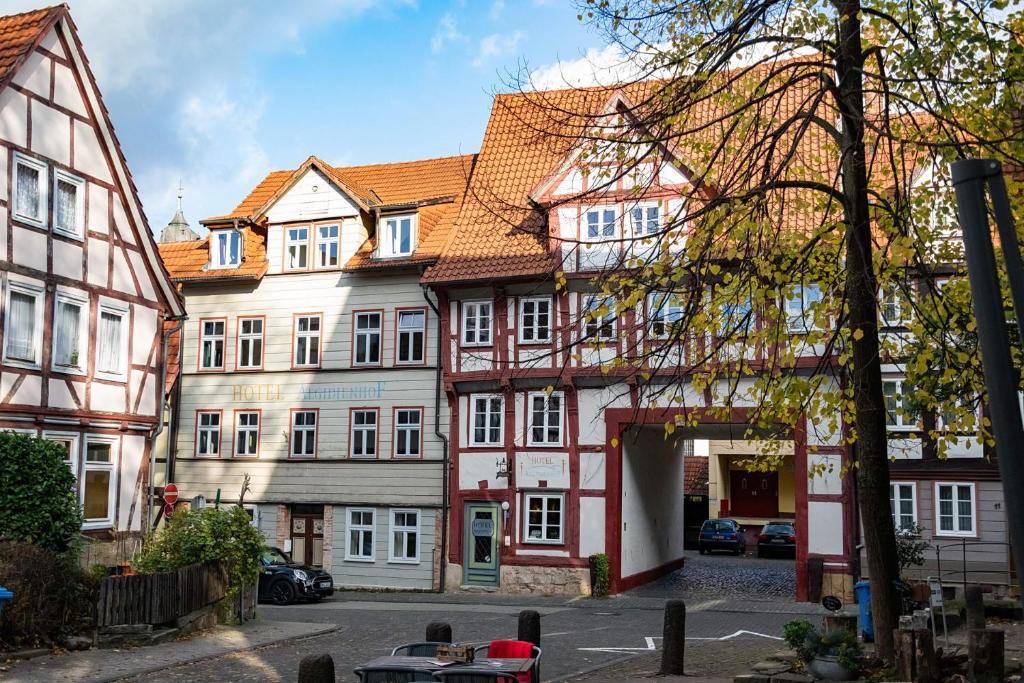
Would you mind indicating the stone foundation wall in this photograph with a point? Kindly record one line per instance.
(284, 525)
(521, 579)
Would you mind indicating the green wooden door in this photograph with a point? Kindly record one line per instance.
(481, 544)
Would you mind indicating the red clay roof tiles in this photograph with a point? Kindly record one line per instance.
(19, 33)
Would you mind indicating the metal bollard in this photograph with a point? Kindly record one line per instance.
(673, 643)
(316, 669)
(438, 632)
(975, 601)
(529, 626)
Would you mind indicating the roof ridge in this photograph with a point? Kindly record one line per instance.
(409, 161)
(40, 10)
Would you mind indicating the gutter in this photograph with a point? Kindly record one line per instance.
(444, 447)
(180, 319)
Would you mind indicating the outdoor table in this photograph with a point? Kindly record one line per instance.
(405, 663)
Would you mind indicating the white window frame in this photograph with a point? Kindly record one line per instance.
(535, 328)
(957, 531)
(391, 239)
(37, 292)
(407, 335)
(599, 329)
(472, 310)
(365, 432)
(906, 421)
(308, 334)
(209, 430)
(16, 214)
(895, 499)
(404, 530)
(298, 245)
(241, 429)
(78, 231)
(527, 496)
(121, 374)
(899, 302)
(363, 336)
(663, 309)
(80, 299)
(407, 427)
(74, 450)
(473, 412)
(642, 232)
(294, 429)
(320, 242)
(217, 263)
(797, 308)
(111, 467)
(602, 222)
(212, 339)
(370, 528)
(531, 398)
(251, 337)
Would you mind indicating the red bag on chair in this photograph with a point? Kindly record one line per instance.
(512, 649)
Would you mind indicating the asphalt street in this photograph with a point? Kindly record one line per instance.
(578, 635)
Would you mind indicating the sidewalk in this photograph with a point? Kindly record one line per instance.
(694, 603)
(100, 666)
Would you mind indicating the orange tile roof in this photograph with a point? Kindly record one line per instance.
(435, 186)
(188, 261)
(20, 33)
(499, 233)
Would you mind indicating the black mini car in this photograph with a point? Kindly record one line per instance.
(777, 538)
(282, 581)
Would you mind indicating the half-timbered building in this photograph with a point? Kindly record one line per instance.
(84, 294)
(557, 454)
(309, 362)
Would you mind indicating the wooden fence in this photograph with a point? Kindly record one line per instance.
(160, 598)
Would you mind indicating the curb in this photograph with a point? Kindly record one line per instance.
(328, 628)
(593, 669)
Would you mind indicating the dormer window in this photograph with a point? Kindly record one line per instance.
(225, 249)
(397, 236)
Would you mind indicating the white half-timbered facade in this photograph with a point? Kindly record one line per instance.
(309, 362)
(83, 293)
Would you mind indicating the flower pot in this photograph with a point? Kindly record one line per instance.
(827, 667)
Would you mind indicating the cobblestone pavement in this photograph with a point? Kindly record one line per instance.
(747, 577)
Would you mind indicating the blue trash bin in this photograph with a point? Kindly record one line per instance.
(5, 596)
(862, 589)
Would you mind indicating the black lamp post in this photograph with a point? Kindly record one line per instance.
(970, 179)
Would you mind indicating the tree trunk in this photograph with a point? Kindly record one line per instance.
(872, 455)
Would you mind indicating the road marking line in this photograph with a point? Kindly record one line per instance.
(649, 640)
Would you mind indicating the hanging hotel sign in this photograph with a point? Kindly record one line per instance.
(307, 392)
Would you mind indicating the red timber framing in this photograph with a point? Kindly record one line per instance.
(109, 261)
(507, 378)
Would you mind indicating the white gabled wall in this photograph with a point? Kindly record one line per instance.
(652, 501)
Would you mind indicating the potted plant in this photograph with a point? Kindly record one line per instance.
(831, 656)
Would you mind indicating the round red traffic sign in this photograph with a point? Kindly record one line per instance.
(170, 494)
(168, 510)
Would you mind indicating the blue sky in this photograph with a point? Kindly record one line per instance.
(219, 92)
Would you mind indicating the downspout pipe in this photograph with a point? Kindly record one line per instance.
(180, 320)
(444, 445)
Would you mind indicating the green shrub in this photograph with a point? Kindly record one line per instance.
(839, 643)
(53, 597)
(204, 535)
(38, 503)
(599, 575)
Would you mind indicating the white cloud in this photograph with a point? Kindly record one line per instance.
(497, 7)
(496, 45)
(447, 33)
(606, 66)
(176, 78)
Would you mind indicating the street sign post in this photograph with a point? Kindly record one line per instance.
(171, 494)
